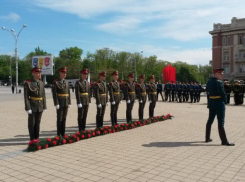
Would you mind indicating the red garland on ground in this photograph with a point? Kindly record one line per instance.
(36, 144)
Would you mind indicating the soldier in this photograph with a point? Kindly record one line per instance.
(237, 91)
(227, 88)
(152, 95)
(129, 93)
(216, 105)
(83, 97)
(195, 92)
(35, 102)
(187, 91)
(199, 91)
(172, 91)
(115, 97)
(242, 91)
(180, 91)
(167, 89)
(141, 92)
(184, 92)
(159, 90)
(62, 100)
(101, 95)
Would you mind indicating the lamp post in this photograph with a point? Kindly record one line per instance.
(16, 36)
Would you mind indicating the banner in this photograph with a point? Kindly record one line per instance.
(45, 62)
(169, 74)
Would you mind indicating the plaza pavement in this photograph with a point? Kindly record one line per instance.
(172, 150)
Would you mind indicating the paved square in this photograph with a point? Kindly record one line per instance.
(171, 150)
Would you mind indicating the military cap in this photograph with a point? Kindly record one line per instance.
(36, 69)
(114, 73)
(84, 71)
(63, 69)
(103, 73)
(142, 76)
(219, 70)
(131, 75)
(152, 77)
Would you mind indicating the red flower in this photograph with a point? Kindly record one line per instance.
(113, 131)
(57, 138)
(54, 142)
(66, 136)
(93, 134)
(89, 135)
(121, 128)
(105, 132)
(101, 129)
(127, 124)
(106, 127)
(30, 142)
(74, 136)
(122, 124)
(83, 132)
(82, 136)
(77, 133)
(109, 130)
(77, 138)
(46, 146)
(63, 141)
(132, 125)
(39, 147)
(125, 128)
(115, 126)
(98, 132)
(48, 139)
(135, 124)
(70, 141)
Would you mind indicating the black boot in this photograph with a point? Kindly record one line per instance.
(208, 131)
(223, 137)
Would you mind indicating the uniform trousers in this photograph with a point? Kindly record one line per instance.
(82, 117)
(100, 116)
(151, 108)
(61, 120)
(34, 120)
(141, 110)
(129, 111)
(114, 109)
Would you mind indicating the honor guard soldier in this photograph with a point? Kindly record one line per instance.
(167, 88)
(141, 92)
(180, 91)
(101, 96)
(83, 97)
(62, 100)
(35, 102)
(195, 92)
(159, 90)
(187, 91)
(192, 90)
(184, 92)
(216, 105)
(227, 88)
(237, 92)
(129, 92)
(172, 91)
(115, 97)
(152, 95)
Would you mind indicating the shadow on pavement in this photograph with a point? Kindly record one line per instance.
(178, 144)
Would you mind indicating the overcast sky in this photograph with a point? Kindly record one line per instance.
(171, 30)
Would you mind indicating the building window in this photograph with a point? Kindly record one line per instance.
(226, 56)
(239, 39)
(226, 69)
(241, 68)
(228, 40)
(224, 40)
(242, 54)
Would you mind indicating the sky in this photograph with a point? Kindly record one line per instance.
(176, 30)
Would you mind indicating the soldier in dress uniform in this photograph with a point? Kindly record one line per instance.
(35, 102)
(141, 92)
(184, 92)
(195, 92)
(101, 96)
(115, 97)
(62, 100)
(216, 105)
(172, 91)
(192, 89)
(180, 91)
(187, 91)
(152, 95)
(167, 89)
(83, 97)
(227, 88)
(129, 91)
(199, 91)
(237, 91)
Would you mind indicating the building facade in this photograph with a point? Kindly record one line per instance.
(228, 49)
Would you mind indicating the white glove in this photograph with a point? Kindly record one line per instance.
(113, 103)
(44, 110)
(79, 105)
(150, 101)
(141, 101)
(69, 106)
(29, 112)
(99, 106)
(120, 102)
(57, 106)
(128, 101)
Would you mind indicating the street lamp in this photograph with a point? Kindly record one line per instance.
(16, 36)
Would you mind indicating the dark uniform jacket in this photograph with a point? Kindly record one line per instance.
(179, 87)
(236, 89)
(152, 94)
(129, 91)
(61, 93)
(114, 91)
(141, 91)
(34, 96)
(217, 95)
(101, 93)
(227, 88)
(82, 91)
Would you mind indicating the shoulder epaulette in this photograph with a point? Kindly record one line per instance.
(28, 80)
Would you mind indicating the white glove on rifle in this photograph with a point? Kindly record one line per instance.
(128, 101)
(29, 112)
(79, 105)
(141, 101)
(69, 106)
(150, 101)
(99, 106)
(113, 103)
(57, 106)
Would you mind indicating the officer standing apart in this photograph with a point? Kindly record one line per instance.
(129, 91)
(35, 102)
(115, 97)
(83, 97)
(216, 105)
(159, 90)
(62, 100)
(101, 96)
(141, 92)
(152, 95)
